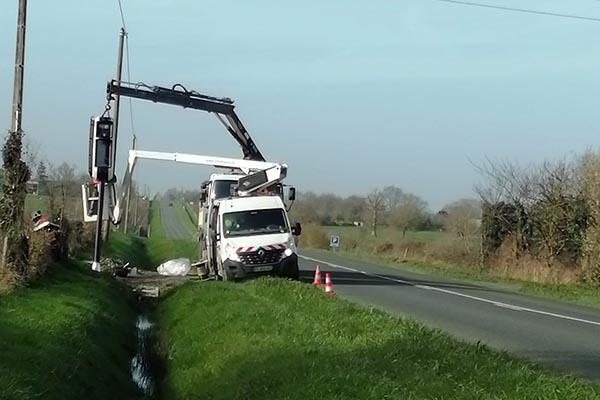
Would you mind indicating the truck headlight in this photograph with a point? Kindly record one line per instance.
(288, 252)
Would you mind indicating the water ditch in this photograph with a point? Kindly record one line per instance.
(146, 366)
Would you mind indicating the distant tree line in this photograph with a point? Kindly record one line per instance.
(389, 206)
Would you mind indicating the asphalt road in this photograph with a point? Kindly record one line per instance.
(172, 224)
(563, 336)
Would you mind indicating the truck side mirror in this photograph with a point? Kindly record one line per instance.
(297, 229)
(292, 194)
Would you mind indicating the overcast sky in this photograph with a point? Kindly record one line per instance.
(352, 95)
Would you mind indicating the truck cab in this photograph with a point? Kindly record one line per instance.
(254, 236)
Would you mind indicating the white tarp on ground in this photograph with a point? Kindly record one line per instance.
(176, 267)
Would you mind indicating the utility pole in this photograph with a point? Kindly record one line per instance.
(122, 35)
(129, 195)
(17, 108)
(16, 172)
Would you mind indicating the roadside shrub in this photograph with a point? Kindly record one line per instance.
(78, 236)
(590, 181)
(409, 250)
(383, 248)
(463, 251)
(40, 253)
(314, 236)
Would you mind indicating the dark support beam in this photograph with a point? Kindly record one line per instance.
(194, 100)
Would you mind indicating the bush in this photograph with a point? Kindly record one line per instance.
(40, 253)
(314, 236)
(455, 250)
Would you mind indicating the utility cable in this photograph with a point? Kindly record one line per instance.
(122, 15)
(127, 64)
(522, 10)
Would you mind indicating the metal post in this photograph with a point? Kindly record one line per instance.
(117, 107)
(17, 108)
(117, 97)
(98, 240)
(128, 195)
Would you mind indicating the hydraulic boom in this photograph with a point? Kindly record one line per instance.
(223, 108)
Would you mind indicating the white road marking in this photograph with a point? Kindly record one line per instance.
(453, 293)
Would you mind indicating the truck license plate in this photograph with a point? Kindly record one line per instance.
(263, 268)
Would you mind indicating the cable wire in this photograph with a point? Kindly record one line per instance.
(127, 64)
(122, 15)
(522, 10)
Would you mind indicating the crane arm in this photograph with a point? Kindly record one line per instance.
(257, 175)
(222, 107)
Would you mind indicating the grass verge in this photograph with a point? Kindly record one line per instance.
(191, 213)
(275, 339)
(69, 336)
(161, 248)
(128, 248)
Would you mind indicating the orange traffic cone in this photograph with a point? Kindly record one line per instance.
(317, 280)
(329, 285)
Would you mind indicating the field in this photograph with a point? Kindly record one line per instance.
(384, 233)
(34, 202)
(69, 336)
(276, 339)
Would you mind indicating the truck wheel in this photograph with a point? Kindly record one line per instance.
(292, 273)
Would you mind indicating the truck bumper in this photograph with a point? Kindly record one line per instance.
(288, 267)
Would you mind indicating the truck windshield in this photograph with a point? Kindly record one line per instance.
(224, 189)
(254, 222)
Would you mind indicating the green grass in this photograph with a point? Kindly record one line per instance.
(186, 219)
(275, 339)
(161, 248)
(34, 203)
(150, 253)
(585, 294)
(192, 213)
(128, 248)
(384, 234)
(67, 337)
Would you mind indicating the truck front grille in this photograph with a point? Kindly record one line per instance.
(267, 257)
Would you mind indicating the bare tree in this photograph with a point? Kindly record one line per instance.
(63, 190)
(353, 208)
(542, 207)
(393, 197)
(408, 213)
(462, 217)
(375, 206)
(31, 152)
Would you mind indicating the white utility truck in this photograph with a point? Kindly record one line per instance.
(253, 235)
(247, 231)
(244, 228)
